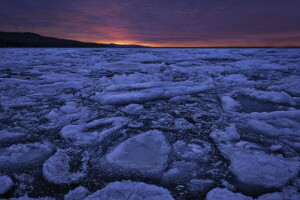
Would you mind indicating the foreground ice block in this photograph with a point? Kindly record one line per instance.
(224, 194)
(146, 153)
(22, 156)
(131, 191)
(254, 170)
(5, 184)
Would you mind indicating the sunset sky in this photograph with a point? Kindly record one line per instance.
(173, 23)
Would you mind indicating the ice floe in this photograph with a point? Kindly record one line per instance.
(22, 156)
(187, 120)
(5, 184)
(146, 153)
(78, 193)
(57, 169)
(254, 169)
(224, 194)
(131, 190)
(94, 132)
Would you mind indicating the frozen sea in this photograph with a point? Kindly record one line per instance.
(153, 124)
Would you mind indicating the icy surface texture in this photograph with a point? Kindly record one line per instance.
(57, 168)
(224, 194)
(146, 153)
(5, 184)
(131, 190)
(77, 122)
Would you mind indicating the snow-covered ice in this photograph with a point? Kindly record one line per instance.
(57, 168)
(175, 123)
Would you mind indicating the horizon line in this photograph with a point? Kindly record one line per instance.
(147, 45)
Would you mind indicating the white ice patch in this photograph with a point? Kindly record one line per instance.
(229, 104)
(192, 151)
(133, 109)
(57, 168)
(271, 96)
(131, 190)
(93, 132)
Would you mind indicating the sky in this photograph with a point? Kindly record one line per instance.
(173, 23)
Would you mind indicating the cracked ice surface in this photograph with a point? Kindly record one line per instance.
(150, 123)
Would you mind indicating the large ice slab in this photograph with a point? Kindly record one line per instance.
(260, 170)
(22, 156)
(131, 190)
(254, 168)
(146, 153)
(224, 194)
(148, 91)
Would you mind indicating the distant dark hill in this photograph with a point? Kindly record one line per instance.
(18, 39)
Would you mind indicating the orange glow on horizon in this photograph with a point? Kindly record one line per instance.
(203, 44)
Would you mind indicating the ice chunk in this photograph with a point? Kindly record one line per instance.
(229, 104)
(289, 84)
(200, 185)
(225, 139)
(252, 168)
(78, 193)
(22, 156)
(52, 115)
(192, 151)
(275, 97)
(69, 108)
(131, 190)
(260, 170)
(143, 92)
(235, 78)
(263, 127)
(147, 153)
(224, 194)
(181, 172)
(133, 109)
(181, 123)
(93, 132)
(275, 147)
(5, 184)
(57, 168)
(271, 196)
